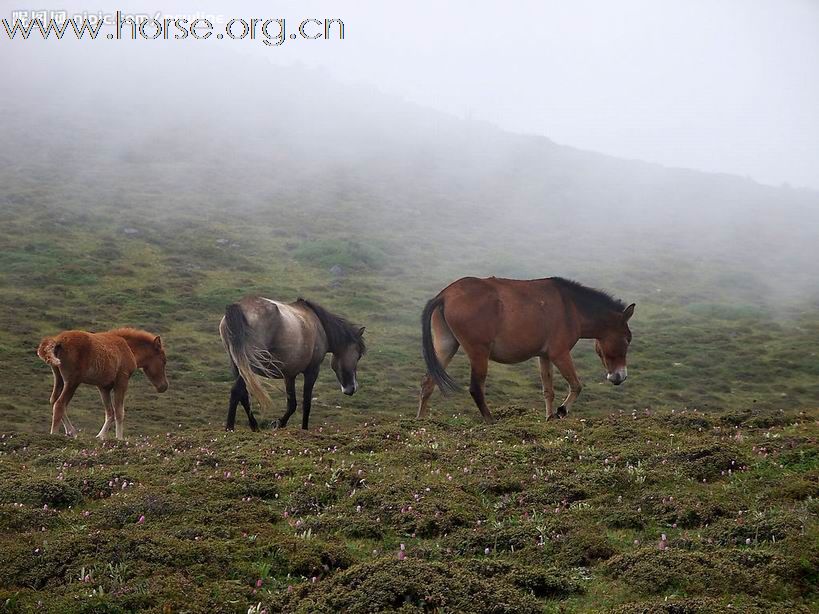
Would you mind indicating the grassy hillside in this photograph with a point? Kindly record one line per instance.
(158, 212)
(706, 335)
(523, 516)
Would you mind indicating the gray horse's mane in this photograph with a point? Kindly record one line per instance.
(340, 332)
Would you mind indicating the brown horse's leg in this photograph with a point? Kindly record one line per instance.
(427, 388)
(290, 387)
(565, 365)
(60, 405)
(428, 384)
(477, 384)
(120, 388)
(548, 385)
(105, 396)
(446, 346)
(58, 385)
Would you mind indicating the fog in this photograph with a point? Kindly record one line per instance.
(465, 123)
(722, 87)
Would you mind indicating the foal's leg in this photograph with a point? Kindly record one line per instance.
(310, 377)
(58, 385)
(105, 396)
(120, 388)
(60, 405)
(69, 428)
(565, 365)
(446, 346)
(290, 387)
(479, 361)
(548, 385)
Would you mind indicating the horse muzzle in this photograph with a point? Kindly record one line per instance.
(350, 389)
(617, 377)
(162, 387)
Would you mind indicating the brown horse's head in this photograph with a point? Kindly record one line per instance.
(153, 365)
(612, 346)
(345, 362)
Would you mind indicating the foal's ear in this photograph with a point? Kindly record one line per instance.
(628, 312)
(158, 342)
(361, 331)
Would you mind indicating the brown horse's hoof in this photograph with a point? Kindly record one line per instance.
(562, 412)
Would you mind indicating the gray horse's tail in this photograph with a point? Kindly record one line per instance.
(434, 367)
(249, 360)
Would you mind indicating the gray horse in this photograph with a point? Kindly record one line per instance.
(281, 340)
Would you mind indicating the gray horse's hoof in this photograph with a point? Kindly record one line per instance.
(562, 412)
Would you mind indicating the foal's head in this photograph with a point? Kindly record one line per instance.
(345, 362)
(612, 346)
(153, 365)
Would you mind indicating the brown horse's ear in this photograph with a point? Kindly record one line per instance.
(628, 312)
(361, 331)
(158, 342)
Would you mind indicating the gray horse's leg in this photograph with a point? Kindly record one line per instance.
(310, 377)
(290, 386)
(244, 399)
(239, 394)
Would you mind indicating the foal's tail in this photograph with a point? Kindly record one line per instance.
(434, 368)
(48, 352)
(245, 357)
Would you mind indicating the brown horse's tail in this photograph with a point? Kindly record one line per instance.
(245, 357)
(48, 352)
(434, 368)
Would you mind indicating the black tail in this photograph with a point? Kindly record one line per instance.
(434, 368)
(244, 357)
(237, 325)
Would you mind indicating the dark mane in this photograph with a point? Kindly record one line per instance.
(339, 331)
(590, 300)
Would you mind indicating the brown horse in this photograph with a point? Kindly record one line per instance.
(510, 321)
(280, 341)
(105, 360)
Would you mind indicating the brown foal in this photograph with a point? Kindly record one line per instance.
(510, 321)
(105, 360)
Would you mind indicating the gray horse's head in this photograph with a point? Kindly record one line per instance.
(346, 342)
(345, 362)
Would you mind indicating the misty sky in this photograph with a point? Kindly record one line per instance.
(717, 85)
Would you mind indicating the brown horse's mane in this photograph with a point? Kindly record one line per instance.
(133, 333)
(590, 300)
(339, 331)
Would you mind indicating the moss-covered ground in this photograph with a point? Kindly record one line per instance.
(442, 515)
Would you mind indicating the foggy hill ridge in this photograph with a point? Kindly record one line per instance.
(269, 138)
